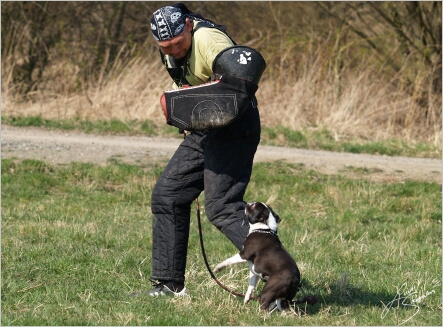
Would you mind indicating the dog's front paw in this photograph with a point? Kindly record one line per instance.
(218, 268)
(248, 297)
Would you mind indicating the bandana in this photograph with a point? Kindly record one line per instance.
(167, 22)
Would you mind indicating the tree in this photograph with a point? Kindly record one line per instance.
(405, 35)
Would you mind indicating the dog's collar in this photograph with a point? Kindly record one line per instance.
(264, 231)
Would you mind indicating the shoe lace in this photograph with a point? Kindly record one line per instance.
(155, 283)
(172, 288)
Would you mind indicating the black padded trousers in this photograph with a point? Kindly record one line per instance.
(218, 162)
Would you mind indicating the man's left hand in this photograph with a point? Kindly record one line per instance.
(163, 105)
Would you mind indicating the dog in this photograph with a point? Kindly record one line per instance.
(267, 259)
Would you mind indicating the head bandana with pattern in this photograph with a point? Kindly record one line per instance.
(167, 22)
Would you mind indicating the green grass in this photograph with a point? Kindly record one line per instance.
(278, 136)
(76, 240)
(110, 127)
(323, 140)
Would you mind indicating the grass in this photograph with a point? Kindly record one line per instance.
(112, 126)
(76, 240)
(319, 139)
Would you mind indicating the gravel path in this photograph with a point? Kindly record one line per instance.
(61, 147)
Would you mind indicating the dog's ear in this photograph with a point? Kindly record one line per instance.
(253, 213)
(260, 213)
(261, 216)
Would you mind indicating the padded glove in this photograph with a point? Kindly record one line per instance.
(163, 102)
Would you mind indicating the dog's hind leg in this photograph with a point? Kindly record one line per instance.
(279, 304)
(274, 292)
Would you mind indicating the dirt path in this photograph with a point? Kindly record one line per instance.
(61, 147)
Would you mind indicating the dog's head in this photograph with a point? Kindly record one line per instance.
(258, 212)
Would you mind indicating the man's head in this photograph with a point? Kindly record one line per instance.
(172, 31)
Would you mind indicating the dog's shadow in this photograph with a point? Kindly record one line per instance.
(340, 293)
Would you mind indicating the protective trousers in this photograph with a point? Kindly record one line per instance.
(220, 163)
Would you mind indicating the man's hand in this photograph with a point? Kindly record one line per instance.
(163, 105)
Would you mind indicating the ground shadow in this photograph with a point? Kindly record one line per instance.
(344, 294)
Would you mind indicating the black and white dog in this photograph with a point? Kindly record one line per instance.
(267, 259)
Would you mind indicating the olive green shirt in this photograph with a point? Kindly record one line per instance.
(207, 43)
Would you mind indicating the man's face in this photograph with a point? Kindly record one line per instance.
(178, 46)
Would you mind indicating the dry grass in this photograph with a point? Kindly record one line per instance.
(129, 93)
(358, 102)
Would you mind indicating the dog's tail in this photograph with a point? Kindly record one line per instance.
(309, 299)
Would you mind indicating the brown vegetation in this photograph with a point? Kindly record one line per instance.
(365, 69)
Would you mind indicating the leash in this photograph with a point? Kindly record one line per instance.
(206, 259)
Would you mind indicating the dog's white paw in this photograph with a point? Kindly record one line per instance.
(218, 268)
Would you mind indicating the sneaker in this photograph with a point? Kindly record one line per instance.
(166, 289)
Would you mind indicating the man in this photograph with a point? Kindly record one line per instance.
(217, 161)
